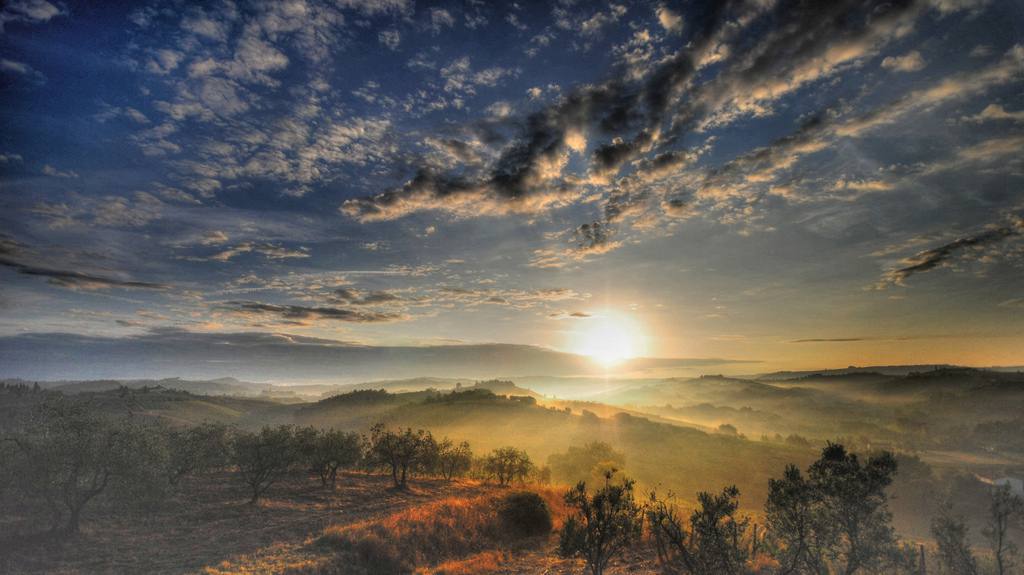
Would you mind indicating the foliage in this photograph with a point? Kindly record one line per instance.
(524, 513)
(951, 536)
(837, 516)
(604, 524)
(402, 452)
(264, 457)
(587, 463)
(327, 451)
(714, 542)
(197, 449)
(66, 455)
(453, 460)
(507, 464)
(1005, 508)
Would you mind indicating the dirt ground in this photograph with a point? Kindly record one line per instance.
(212, 529)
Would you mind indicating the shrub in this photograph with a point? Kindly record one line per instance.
(604, 524)
(524, 513)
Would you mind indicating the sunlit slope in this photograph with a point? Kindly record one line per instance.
(682, 459)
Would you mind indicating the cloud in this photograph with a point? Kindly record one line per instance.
(946, 254)
(909, 62)
(570, 315)
(832, 340)
(30, 12)
(54, 172)
(12, 256)
(389, 38)
(623, 122)
(669, 20)
(21, 69)
(440, 19)
(271, 251)
(995, 112)
(351, 296)
(297, 313)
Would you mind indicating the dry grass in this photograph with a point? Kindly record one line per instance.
(451, 535)
(212, 528)
(435, 528)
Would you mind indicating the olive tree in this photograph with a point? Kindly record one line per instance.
(67, 455)
(331, 451)
(264, 457)
(453, 460)
(507, 464)
(402, 452)
(602, 525)
(837, 517)
(713, 541)
(197, 449)
(1004, 509)
(951, 537)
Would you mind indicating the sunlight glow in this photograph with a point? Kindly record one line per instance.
(609, 339)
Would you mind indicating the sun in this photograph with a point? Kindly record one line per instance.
(608, 339)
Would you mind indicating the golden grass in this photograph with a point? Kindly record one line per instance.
(450, 536)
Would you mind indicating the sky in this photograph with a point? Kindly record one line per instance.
(741, 186)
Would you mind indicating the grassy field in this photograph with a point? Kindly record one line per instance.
(295, 530)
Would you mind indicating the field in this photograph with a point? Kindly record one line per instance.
(212, 529)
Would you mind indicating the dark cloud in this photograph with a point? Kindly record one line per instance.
(942, 255)
(355, 297)
(526, 176)
(12, 255)
(831, 340)
(304, 313)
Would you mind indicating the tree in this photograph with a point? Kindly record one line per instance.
(332, 450)
(587, 463)
(713, 544)
(453, 460)
(950, 532)
(507, 464)
(1004, 508)
(603, 525)
(792, 520)
(838, 516)
(402, 452)
(67, 455)
(265, 457)
(197, 449)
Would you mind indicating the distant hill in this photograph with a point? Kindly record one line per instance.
(879, 369)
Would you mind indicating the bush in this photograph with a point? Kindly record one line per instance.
(525, 514)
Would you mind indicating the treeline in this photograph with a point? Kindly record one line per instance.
(831, 519)
(62, 455)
